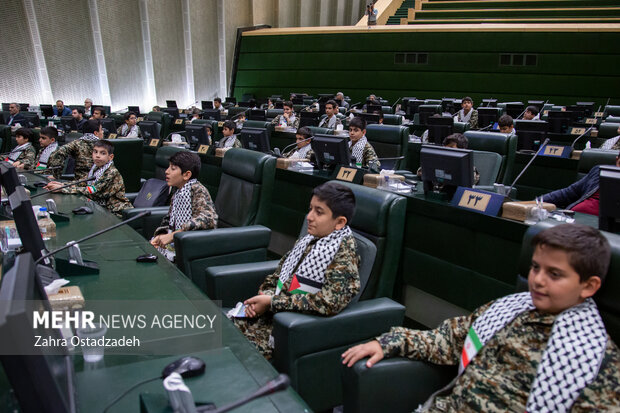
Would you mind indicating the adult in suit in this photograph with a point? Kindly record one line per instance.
(14, 116)
(60, 109)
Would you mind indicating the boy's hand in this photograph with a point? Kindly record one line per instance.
(165, 239)
(257, 305)
(18, 164)
(53, 185)
(371, 349)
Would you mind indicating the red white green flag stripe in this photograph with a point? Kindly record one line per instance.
(470, 348)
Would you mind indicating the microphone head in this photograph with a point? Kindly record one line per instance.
(282, 382)
(277, 151)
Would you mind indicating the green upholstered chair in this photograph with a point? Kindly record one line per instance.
(460, 127)
(386, 110)
(128, 161)
(235, 110)
(611, 110)
(118, 119)
(308, 347)
(390, 119)
(164, 120)
(272, 113)
(488, 165)
(591, 157)
(324, 131)
(400, 384)
(606, 130)
(612, 119)
(499, 143)
(5, 135)
(258, 124)
(389, 141)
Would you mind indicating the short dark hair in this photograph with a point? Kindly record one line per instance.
(100, 109)
(532, 109)
(79, 110)
(219, 100)
(588, 250)
(458, 138)
(128, 115)
(50, 132)
(467, 99)
(358, 122)
(288, 103)
(229, 124)
(505, 120)
(25, 133)
(107, 145)
(186, 161)
(208, 126)
(92, 125)
(333, 103)
(304, 131)
(339, 198)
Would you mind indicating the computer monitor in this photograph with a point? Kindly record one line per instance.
(609, 199)
(487, 116)
(370, 118)
(8, 177)
(32, 119)
(559, 121)
(446, 168)
(489, 103)
(412, 107)
(230, 99)
(588, 107)
(244, 105)
(278, 104)
(439, 128)
(330, 151)
(171, 103)
(41, 377)
(448, 105)
(297, 100)
(324, 97)
(257, 114)
(308, 119)
(5, 107)
(206, 104)
(134, 109)
(47, 110)
(109, 126)
(67, 124)
(538, 103)
(255, 139)
(425, 113)
(577, 113)
(530, 134)
(370, 108)
(173, 112)
(150, 129)
(196, 135)
(515, 110)
(212, 114)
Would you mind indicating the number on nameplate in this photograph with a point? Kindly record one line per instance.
(474, 200)
(220, 124)
(178, 122)
(203, 149)
(112, 136)
(551, 150)
(346, 174)
(488, 203)
(577, 131)
(591, 121)
(154, 142)
(598, 114)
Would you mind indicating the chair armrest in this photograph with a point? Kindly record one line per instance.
(297, 334)
(147, 225)
(233, 283)
(131, 196)
(392, 385)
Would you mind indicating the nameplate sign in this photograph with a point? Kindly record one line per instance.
(203, 149)
(545, 113)
(591, 121)
(154, 142)
(556, 151)
(178, 122)
(577, 131)
(50, 123)
(140, 119)
(220, 124)
(599, 114)
(112, 136)
(487, 203)
(349, 174)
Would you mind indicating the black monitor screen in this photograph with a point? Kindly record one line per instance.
(559, 121)
(609, 201)
(47, 110)
(448, 105)
(134, 109)
(173, 112)
(446, 168)
(439, 128)
(330, 151)
(212, 114)
(587, 106)
(5, 107)
(32, 119)
(370, 118)
(413, 107)
(298, 100)
(67, 123)
(324, 97)
(257, 114)
(255, 139)
(487, 116)
(197, 135)
(373, 108)
(538, 103)
(171, 103)
(207, 104)
(425, 113)
(530, 134)
(278, 104)
(308, 119)
(230, 99)
(26, 222)
(150, 129)
(515, 109)
(108, 125)
(489, 103)
(577, 113)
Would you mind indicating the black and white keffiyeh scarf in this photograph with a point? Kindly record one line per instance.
(182, 206)
(128, 132)
(301, 153)
(230, 141)
(98, 172)
(310, 274)
(571, 360)
(18, 151)
(462, 117)
(89, 137)
(358, 149)
(45, 154)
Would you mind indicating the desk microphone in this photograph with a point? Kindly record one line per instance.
(64, 186)
(528, 165)
(282, 382)
(490, 125)
(96, 234)
(295, 143)
(521, 114)
(572, 146)
(43, 170)
(240, 113)
(397, 100)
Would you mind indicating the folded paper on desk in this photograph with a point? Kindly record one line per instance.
(237, 312)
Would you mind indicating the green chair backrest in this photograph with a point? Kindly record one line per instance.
(272, 113)
(390, 119)
(161, 160)
(118, 118)
(323, 131)
(5, 135)
(128, 161)
(611, 110)
(164, 120)
(460, 127)
(612, 119)
(608, 130)
(432, 102)
(389, 141)
(258, 124)
(235, 111)
(499, 143)
(488, 165)
(386, 110)
(591, 157)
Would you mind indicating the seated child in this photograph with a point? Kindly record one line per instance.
(506, 125)
(23, 155)
(288, 118)
(537, 351)
(318, 276)
(363, 151)
(191, 208)
(48, 144)
(456, 140)
(303, 149)
(108, 188)
(230, 139)
(80, 149)
(467, 114)
(531, 113)
(130, 128)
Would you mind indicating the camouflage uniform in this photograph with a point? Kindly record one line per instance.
(108, 191)
(341, 284)
(81, 150)
(473, 120)
(27, 157)
(499, 378)
(276, 121)
(203, 212)
(135, 128)
(37, 160)
(330, 123)
(237, 143)
(369, 155)
(290, 153)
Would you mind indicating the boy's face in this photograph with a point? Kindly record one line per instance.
(506, 129)
(97, 114)
(356, 133)
(101, 156)
(131, 121)
(174, 176)
(216, 104)
(288, 110)
(466, 105)
(528, 115)
(20, 140)
(45, 141)
(301, 142)
(227, 132)
(451, 145)
(554, 284)
(320, 220)
(330, 110)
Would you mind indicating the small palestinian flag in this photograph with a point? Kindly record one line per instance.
(301, 285)
(91, 189)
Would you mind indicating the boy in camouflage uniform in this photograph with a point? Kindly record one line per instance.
(318, 276)
(80, 149)
(23, 155)
(108, 188)
(360, 148)
(191, 208)
(230, 139)
(288, 118)
(467, 114)
(543, 350)
(302, 149)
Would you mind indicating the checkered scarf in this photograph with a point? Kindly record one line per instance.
(311, 271)
(182, 206)
(573, 355)
(462, 117)
(98, 172)
(301, 153)
(45, 154)
(89, 137)
(18, 151)
(230, 141)
(358, 149)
